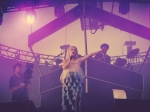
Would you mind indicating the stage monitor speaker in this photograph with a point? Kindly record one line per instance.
(26, 106)
(119, 94)
(132, 105)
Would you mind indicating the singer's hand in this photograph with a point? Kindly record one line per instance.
(71, 56)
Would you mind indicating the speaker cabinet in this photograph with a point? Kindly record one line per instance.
(132, 105)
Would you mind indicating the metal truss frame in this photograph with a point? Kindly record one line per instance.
(26, 56)
(86, 10)
(20, 5)
(138, 59)
(45, 59)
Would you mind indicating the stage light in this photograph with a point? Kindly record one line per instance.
(124, 7)
(30, 19)
(59, 10)
(30, 16)
(1, 16)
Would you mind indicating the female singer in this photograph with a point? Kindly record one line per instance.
(71, 79)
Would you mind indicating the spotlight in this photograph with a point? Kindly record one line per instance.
(30, 16)
(30, 19)
(64, 47)
(124, 7)
(1, 16)
(59, 10)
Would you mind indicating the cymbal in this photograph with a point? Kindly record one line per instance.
(133, 53)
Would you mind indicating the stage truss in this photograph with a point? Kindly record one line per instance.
(26, 56)
(20, 5)
(45, 59)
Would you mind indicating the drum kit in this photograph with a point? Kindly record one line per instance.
(130, 57)
(133, 53)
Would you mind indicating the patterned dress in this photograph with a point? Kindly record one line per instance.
(72, 79)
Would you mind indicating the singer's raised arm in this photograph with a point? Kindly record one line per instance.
(89, 55)
(65, 63)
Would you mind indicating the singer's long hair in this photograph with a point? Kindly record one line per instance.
(67, 55)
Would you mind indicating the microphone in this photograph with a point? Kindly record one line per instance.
(71, 55)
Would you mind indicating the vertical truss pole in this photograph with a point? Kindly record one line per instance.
(38, 69)
(31, 28)
(86, 51)
(144, 60)
(0, 49)
(142, 69)
(36, 60)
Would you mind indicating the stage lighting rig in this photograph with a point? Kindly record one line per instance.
(64, 48)
(129, 45)
(90, 23)
(124, 7)
(30, 15)
(59, 9)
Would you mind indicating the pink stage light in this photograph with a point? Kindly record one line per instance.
(30, 19)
